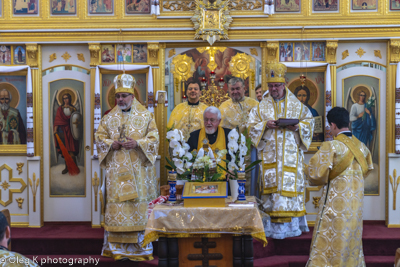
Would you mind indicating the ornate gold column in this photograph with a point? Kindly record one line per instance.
(33, 59)
(331, 48)
(272, 52)
(263, 46)
(392, 129)
(94, 49)
(157, 51)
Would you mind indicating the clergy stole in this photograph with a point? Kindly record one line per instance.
(235, 114)
(220, 144)
(282, 148)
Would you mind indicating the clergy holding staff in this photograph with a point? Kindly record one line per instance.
(188, 116)
(127, 143)
(281, 148)
(340, 166)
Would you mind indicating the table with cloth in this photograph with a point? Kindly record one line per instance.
(202, 236)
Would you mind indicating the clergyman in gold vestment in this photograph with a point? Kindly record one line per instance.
(282, 149)
(127, 143)
(235, 111)
(340, 166)
(188, 116)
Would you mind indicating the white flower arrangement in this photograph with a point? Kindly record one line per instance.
(204, 165)
(181, 158)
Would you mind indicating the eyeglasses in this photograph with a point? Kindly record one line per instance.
(121, 96)
(210, 120)
(274, 86)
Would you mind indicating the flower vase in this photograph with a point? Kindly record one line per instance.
(241, 190)
(233, 184)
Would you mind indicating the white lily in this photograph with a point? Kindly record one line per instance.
(188, 164)
(233, 146)
(174, 144)
(178, 152)
(242, 140)
(232, 166)
(174, 135)
(188, 155)
(178, 163)
(186, 147)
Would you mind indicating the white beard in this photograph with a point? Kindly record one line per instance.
(126, 106)
(210, 131)
(5, 106)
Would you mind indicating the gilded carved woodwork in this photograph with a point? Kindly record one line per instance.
(34, 186)
(95, 184)
(360, 52)
(171, 52)
(81, 57)
(19, 167)
(395, 50)
(94, 54)
(20, 200)
(345, 54)
(153, 53)
(309, 189)
(377, 53)
(331, 48)
(32, 52)
(245, 5)
(52, 57)
(316, 202)
(211, 20)
(182, 67)
(272, 52)
(179, 5)
(66, 56)
(394, 181)
(253, 51)
(6, 185)
(241, 65)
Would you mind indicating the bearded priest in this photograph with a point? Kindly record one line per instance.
(281, 149)
(127, 143)
(188, 116)
(235, 111)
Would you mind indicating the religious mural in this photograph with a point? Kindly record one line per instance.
(137, 6)
(12, 110)
(124, 53)
(361, 98)
(364, 4)
(25, 7)
(65, 7)
(222, 60)
(19, 55)
(108, 90)
(107, 53)
(287, 5)
(286, 52)
(5, 54)
(67, 157)
(139, 53)
(301, 51)
(312, 94)
(101, 6)
(318, 51)
(325, 5)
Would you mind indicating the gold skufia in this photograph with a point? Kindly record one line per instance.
(275, 72)
(182, 67)
(241, 65)
(211, 20)
(124, 83)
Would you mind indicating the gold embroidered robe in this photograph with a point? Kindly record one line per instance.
(128, 195)
(337, 237)
(282, 178)
(187, 118)
(236, 113)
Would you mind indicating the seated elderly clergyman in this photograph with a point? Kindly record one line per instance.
(216, 135)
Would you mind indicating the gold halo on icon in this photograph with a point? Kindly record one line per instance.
(314, 94)
(15, 97)
(64, 91)
(354, 94)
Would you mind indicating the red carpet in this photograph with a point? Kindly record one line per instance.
(80, 242)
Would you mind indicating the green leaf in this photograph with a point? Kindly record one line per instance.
(226, 170)
(216, 176)
(168, 167)
(252, 165)
(171, 163)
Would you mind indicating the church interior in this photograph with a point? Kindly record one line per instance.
(58, 61)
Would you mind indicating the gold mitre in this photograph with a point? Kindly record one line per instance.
(124, 83)
(275, 72)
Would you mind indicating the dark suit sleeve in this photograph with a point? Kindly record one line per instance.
(193, 140)
(227, 131)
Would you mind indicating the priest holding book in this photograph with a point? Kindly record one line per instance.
(281, 128)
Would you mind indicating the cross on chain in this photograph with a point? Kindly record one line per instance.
(205, 257)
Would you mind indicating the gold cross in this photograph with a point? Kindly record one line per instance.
(122, 137)
(211, 51)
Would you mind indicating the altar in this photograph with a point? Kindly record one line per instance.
(197, 236)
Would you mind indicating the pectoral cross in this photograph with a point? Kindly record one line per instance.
(205, 146)
(122, 136)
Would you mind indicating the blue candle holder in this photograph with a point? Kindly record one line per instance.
(241, 189)
(172, 186)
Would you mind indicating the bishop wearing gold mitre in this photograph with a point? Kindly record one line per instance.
(235, 111)
(188, 116)
(281, 148)
(127, 143)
